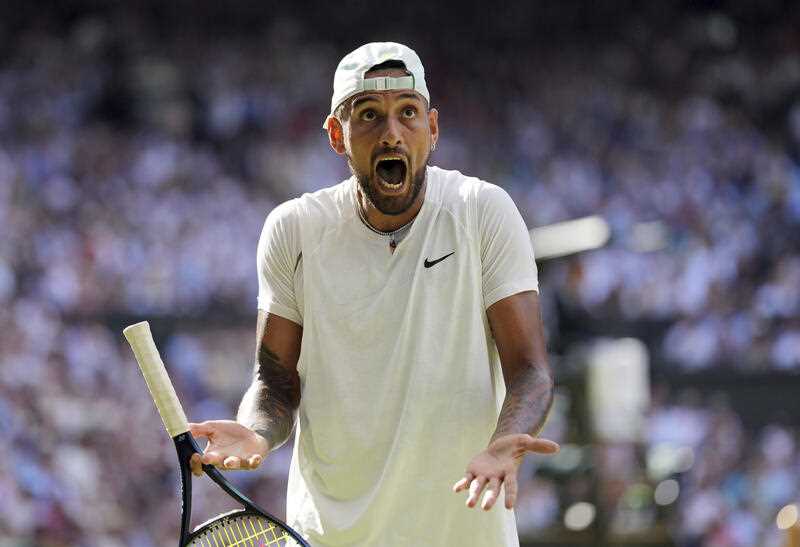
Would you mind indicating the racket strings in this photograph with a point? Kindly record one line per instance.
(243, 531)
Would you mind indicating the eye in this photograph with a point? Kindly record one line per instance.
(368, 115)
(409, 112)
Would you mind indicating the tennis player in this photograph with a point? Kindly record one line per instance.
(399, 330)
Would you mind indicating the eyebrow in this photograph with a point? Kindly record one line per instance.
(364, 99)
(408, 96)
(368, 98)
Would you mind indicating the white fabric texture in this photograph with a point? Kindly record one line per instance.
(401, 380)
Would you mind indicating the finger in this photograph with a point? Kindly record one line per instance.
(475, 489)
(463, 483)
(232, 462)
(460, 485)
(202, 430)
(254, 461)
(510, 487)
(491, 494)
(196, 465)
(212, 458)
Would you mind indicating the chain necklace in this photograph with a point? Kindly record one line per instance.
(394, 236)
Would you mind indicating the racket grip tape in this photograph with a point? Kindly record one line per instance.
(155, 375)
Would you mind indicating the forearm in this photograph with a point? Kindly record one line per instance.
(270, 403)
(529, 395)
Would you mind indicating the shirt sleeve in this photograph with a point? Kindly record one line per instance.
(508, 263)
(277, 259)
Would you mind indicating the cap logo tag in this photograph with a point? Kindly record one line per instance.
(387, 83)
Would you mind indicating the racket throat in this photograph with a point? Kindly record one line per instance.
(185, 446)
(251, 523)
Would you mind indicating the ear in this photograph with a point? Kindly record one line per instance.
(336, 135)
(433, 123)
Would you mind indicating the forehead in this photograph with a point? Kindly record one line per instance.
(372, 97)
(367, 97)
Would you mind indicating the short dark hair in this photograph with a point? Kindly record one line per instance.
(342, 112)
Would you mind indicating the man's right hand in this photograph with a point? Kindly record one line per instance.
(230, 446)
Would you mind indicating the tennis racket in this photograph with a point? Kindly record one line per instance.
(247, 527)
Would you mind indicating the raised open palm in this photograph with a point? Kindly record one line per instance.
(230, 446)
(497, 466)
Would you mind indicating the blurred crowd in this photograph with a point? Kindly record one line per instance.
(697, 476)
(731, 485)
(139, 159)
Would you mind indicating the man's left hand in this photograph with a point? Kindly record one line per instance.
(497, 465)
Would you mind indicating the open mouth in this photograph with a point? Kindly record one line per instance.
(391, 171)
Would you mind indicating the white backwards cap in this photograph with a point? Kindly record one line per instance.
(349, 77)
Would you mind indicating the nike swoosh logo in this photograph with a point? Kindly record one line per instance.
(429, 263)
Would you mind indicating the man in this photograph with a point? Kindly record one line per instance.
(399, 321)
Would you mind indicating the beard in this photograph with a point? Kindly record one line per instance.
(390, 205)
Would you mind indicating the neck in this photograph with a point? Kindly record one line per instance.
(389, 223)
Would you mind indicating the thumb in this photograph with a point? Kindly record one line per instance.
(540, 446)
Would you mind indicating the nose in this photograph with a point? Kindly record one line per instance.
(391, 134)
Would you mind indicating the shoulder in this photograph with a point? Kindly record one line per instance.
(454, 186)
(281, 220)
(286, 211)
(466, 196)
(280, 233)
(327, 205)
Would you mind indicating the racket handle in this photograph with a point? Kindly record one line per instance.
(155, 375)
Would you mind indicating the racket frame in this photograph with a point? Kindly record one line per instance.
(186, 447)
(172, 414)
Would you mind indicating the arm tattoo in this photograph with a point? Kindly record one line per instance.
(269, 406)
(528, 399)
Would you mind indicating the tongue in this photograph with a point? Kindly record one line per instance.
(391, 171)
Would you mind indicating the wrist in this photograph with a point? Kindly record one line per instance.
(262, 441)
(499, 436)
(502, 442)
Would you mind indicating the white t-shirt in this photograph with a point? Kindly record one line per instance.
(401, 380)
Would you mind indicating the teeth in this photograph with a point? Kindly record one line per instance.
(383, 171)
